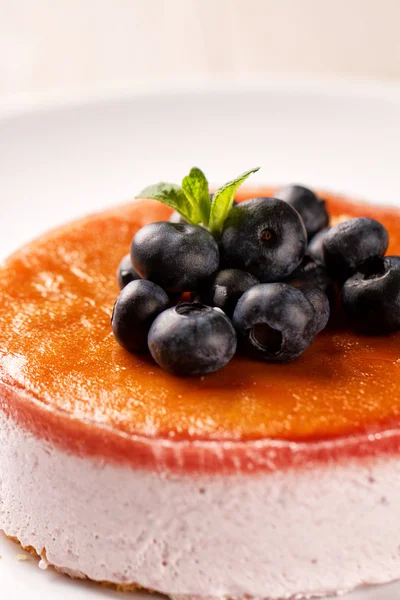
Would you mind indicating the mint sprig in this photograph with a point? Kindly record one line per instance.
(192, 199)
(195, 188)
(223, 201)
(173, 196)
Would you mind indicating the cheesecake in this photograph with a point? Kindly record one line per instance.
(264, 481)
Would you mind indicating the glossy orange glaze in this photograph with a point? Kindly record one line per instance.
(63, 375)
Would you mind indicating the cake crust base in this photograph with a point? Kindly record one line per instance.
(128, 587)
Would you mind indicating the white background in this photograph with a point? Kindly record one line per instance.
(80, 47)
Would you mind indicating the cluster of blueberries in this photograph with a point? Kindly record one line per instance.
(267, 285)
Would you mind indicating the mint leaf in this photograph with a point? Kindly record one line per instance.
(195, 187)
(192, 200)
(223, 201)
(172, 195)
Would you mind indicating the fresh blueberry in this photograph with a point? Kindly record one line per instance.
(178, 257)
(319, 301)
(192, 339)
(315, 247)
(311, 208)
(125, 272)
(265, 237)
(137, 305)
(371, 297)
(394, 260)
(351, 243)
(225, 289)
(275, 322)
(174, 297)
(309, 272)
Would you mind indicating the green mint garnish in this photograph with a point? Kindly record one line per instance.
(192, 199)
(173, 196)
(195, 188)
(223, 201)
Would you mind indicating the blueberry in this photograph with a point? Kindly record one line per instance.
(315, 247)
(265, 237)
(319, 301)
(192, 339)
(225, 289)
(178, 257)
(312, 272)
(309, 272)
(275, 322)
(125, 272)
(137, 305)
(371, 297)
(174, 297)
(394, 260)
(311, 208)
(313, 280)
(351, 243)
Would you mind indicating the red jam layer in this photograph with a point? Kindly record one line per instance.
(64, 377)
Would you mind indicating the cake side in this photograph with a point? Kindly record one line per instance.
(175, 534)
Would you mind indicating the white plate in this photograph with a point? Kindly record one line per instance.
(60, 163)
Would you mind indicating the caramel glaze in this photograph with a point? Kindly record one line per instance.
(65, 379)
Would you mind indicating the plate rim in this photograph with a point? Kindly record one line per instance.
(29, 104)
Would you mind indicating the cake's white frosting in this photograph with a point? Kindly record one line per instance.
(275, 535)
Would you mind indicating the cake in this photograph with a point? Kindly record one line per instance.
(258, 481)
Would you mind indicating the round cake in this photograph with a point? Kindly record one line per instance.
(258, 481)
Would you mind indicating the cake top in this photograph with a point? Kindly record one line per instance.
(56, 345)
